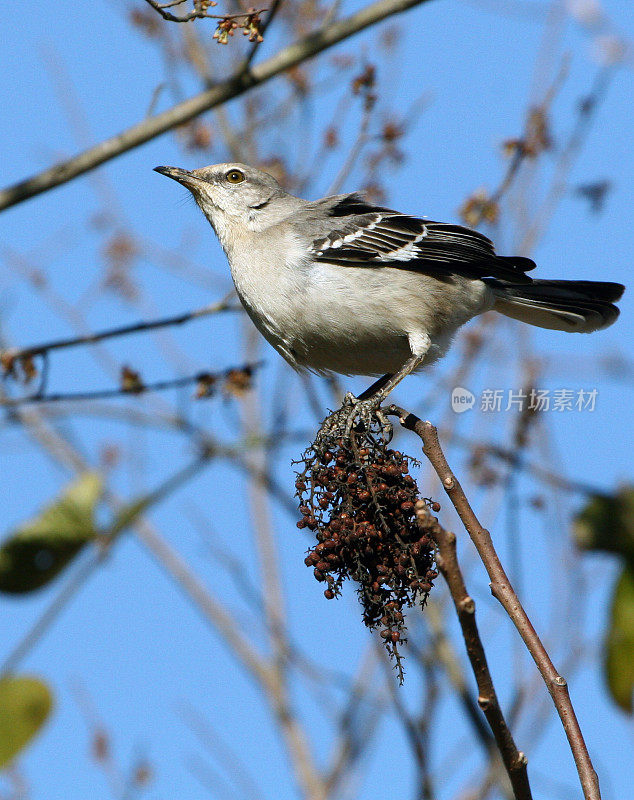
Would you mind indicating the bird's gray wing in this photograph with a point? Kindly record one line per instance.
(350, 232)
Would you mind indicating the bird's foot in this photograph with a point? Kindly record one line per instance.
(357, 415)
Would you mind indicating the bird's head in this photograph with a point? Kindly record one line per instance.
(237, 191)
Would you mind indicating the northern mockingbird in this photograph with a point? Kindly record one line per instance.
(342, 285)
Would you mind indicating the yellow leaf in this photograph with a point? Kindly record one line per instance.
(619, 648)
(25, 704)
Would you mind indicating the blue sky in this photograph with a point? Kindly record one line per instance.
(129, 637)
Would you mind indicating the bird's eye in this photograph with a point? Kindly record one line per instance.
(234, 176)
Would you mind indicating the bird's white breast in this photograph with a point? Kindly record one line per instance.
(351, 320)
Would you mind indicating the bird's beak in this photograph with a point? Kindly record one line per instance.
(180, 175)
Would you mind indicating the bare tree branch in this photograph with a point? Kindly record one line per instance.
(291, 726)
(503, 591)
(206, 381)
(199, 12)
(585, 115)
(99, 554)
(234, 86)
(357, 724)
(416, 731)
(447, 561)
(9, 356)
(212, 610)
(443, 652)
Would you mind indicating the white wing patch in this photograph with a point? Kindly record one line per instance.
(334, 241)
(350, 237)
(381, 242)
(407, 252)
(382, 237)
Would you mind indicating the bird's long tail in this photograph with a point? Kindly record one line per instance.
(576, 306)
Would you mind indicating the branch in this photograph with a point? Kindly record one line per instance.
(100, 552)
(181, 113)
(447, 561)
(300, 751)
(131, 384)
(199, 12)
(585, 114)
(507, 456)
(444, 653)
(503, 591)
(534, 141)
(212, 610)
(51, 612)
(261, 668)
(11, 355)
(273, 9)
(356, 725)
(417, 733)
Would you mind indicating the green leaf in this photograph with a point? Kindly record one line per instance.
(38, 550)
(619, 646)
(607, 523)
(25, 704)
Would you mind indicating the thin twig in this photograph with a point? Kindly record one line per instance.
(354, 151)
(444, 654)
(207, 380)
(212, 610)
(514, 761)
(235, 765)
(199, 12)
(96, 558)
(273, 9)
(292, 730)
(543, 474)
(503, 591)
(61, 600)
(356, 724)
(520, 152)
(415, 733)
(585, 114)
(181, 113)
(13, 354)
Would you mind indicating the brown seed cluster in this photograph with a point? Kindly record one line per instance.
(358, 497)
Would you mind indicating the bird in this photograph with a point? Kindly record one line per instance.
(340, 285)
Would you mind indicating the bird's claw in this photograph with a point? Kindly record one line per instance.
(355, 414)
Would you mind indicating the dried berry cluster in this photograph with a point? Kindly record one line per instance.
(358, 496)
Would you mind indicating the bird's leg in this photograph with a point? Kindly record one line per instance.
(376, 387)
(368, 404)
(341, 422)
